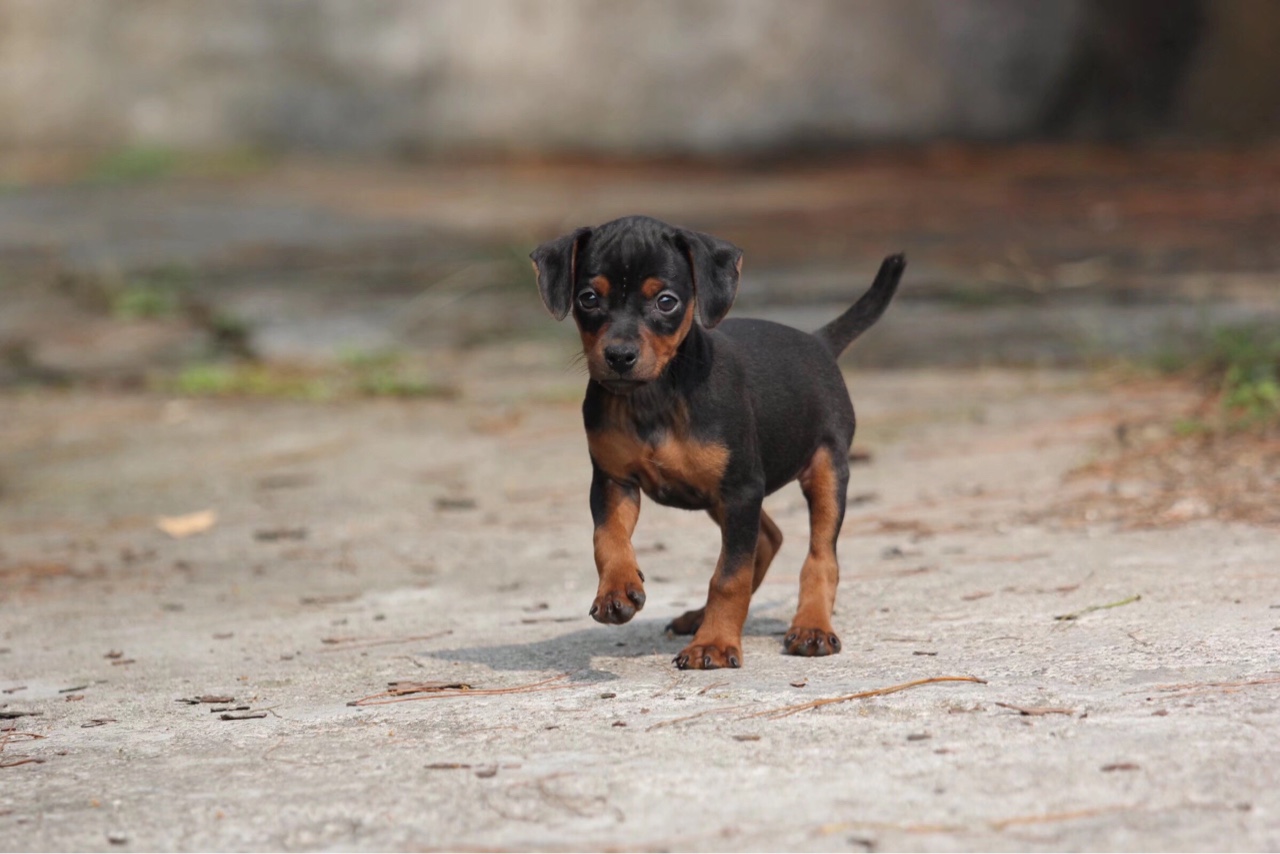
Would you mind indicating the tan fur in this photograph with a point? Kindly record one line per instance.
(767, 545)
(652, 287)
(676, 460)
(820, 573)
(657, 350)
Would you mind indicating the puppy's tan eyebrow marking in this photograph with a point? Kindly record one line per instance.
(652, 287)
(601, 284)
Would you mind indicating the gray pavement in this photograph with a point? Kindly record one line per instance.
(363, 543)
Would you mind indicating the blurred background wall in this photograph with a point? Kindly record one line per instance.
(402, 77)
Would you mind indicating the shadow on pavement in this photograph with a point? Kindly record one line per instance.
(573, 653)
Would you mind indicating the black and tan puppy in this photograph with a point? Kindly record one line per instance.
(711, 416)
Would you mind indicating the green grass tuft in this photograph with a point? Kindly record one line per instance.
(135, 163)
(358, 375)
(1245, 364)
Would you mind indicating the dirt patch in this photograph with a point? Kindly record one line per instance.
(1169, 470)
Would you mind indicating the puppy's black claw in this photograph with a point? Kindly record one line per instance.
(594, 610)
(641, 574)
(707, 663)
(835, 642)
(637, 597)
(733, 661)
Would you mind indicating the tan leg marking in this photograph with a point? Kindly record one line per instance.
(621, 590)
(767, 545)
(823, 486)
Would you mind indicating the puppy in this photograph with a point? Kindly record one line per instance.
(707, 416)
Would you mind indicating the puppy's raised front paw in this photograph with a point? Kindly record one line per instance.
(618, 605)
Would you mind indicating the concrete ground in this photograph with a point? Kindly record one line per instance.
(449, 541)
(346, 545)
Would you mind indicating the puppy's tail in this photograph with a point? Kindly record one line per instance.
(841, 332)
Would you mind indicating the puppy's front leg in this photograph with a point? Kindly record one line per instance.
(615, 507)
(718, 641)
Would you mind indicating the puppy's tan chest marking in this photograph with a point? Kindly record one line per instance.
(673, 467)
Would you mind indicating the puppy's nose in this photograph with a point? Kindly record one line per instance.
(621, 357)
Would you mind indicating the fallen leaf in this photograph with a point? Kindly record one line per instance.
(185, 526)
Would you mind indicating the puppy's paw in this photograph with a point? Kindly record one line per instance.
(810, 642)
(618, 604)
(709, 656)
(687, 623)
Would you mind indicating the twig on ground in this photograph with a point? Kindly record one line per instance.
(694, 716)
(675, 680)
(1225, 687)
(206, 698)
(242, 716)
(1049, 818)
(1075, 615)
(844, 826)
(8, 716)
(10, 736)
(1036, 711)
(784, 711)
(396, 694)
(340, 644)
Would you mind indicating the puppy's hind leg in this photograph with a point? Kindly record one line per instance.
(824, 482)
(767, 545)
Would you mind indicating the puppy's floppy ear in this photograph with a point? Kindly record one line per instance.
(716, 265)
(555, 264)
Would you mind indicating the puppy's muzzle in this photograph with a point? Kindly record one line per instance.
(621, 358)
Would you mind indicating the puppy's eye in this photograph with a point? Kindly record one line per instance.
(667, 303)
(589, 300)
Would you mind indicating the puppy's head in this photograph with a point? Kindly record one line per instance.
(632, 286)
